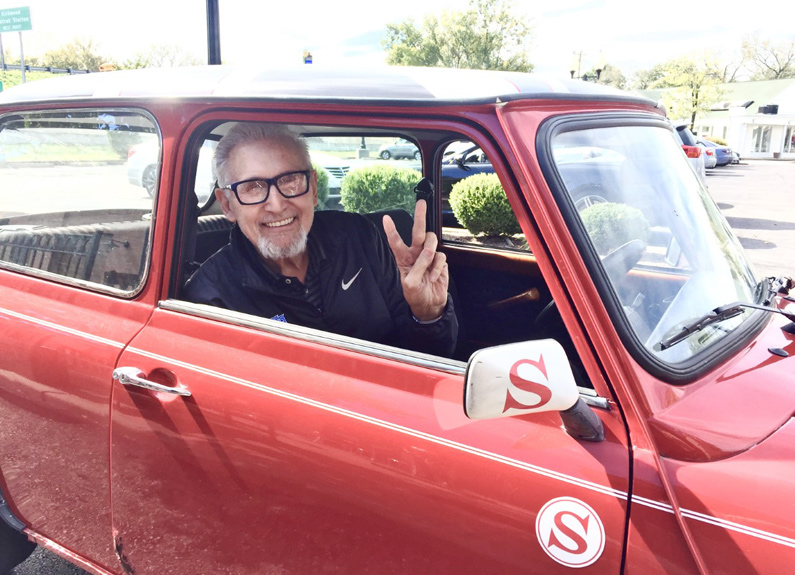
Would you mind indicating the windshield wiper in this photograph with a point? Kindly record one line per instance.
(718, 314)
(777, 287)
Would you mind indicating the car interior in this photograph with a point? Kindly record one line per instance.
(496, 285)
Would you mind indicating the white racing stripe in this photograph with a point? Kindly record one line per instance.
(70, 331)
(739, 528)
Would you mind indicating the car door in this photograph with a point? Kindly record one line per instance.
(74, 259)
(273, 448)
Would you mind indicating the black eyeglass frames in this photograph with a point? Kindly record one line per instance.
(257, 190)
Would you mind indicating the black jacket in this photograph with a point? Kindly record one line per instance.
(359, 287)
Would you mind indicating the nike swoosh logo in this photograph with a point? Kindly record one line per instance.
(346, 285)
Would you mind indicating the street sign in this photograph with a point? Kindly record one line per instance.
(15, 19)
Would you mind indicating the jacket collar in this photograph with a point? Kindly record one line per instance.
(255, 274)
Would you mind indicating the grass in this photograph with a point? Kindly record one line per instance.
(57, 153)
(11, 78)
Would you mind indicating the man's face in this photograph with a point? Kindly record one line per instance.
(278, 225)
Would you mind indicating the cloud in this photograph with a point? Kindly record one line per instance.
(574, 9)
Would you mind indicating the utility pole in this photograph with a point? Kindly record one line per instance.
(213, 33)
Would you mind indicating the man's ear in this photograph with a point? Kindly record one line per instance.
(314, 188)
(224, 202)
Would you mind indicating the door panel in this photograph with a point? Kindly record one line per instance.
(293, 456)
(58, 346)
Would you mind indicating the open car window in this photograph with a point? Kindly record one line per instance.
(498, 299)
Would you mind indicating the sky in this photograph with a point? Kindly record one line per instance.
(629, 34)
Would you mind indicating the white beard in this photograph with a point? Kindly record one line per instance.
(269, 251)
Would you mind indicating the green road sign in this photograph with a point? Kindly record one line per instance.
(15, 19)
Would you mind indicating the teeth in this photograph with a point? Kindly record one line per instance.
(279, 223)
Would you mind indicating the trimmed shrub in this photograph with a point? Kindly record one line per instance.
(322, 186)
(717, 140)
(122, 140)
(612, 225)
(379, 187)
(480, 205)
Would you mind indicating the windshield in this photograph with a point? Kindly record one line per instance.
(668, 252)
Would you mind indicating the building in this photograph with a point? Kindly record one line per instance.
(757, 119)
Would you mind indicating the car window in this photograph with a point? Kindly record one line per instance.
(76, 195)
(475, 209)
(666, 251)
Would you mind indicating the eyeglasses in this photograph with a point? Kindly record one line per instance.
(257, 190)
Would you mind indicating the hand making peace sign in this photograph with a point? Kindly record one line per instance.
(423, 270)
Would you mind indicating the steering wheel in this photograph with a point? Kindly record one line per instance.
(617, 264)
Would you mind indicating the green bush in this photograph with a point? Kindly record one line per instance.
(322, 186)
(480, 205)
(122, 140)
(379, 187)
(612, 225)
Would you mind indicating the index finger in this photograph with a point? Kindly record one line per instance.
(393, 238)
(418, 231)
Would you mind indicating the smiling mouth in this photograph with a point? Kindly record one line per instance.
(280, 223)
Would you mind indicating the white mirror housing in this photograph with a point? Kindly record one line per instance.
(519, 378)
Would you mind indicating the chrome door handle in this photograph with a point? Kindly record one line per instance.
(134, 376)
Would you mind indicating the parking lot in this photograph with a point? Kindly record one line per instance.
(757, 197)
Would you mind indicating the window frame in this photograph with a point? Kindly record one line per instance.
(408, 126)
(147, 245)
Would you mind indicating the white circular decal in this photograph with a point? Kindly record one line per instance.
(570, 532)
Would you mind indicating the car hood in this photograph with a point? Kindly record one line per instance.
(750, 398)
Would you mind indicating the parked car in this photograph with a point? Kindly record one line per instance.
(694, 152)
(400, 148)
(723, 154)
(142, 165)
(710, 159)
(337, 169)
(620, 399)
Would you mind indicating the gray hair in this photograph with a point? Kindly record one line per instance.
(249, 132)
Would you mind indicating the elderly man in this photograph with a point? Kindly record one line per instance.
(327, 270)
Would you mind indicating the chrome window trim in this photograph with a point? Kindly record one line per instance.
(85, 284)
(437, 363)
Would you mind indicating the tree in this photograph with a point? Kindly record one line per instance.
(78, 54)
(769, 60)
(695, 86)
(487, 36)
(610, 76)
(646, 79)
(161, 56)
(730, 66)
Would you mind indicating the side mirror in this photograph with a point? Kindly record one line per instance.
(528, 377)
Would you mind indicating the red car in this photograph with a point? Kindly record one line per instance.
(620, 399)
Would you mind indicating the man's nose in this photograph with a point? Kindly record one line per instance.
(276, 201)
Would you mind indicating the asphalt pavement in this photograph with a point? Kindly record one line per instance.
(757, 197)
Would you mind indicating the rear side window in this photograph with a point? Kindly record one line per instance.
(76, 194)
